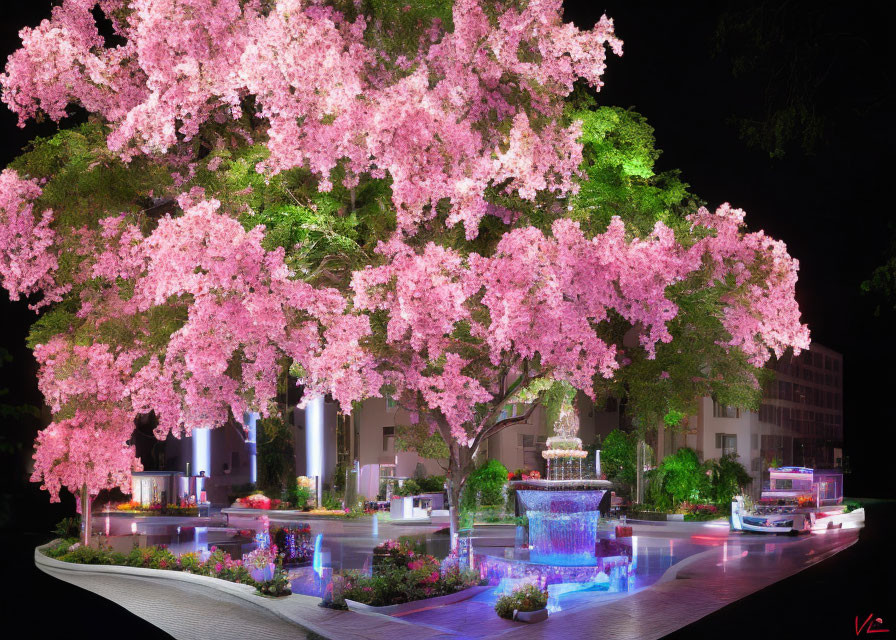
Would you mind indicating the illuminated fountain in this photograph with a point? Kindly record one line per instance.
(564, 508)
(564, 550)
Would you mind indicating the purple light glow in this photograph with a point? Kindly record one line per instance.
(562, 526)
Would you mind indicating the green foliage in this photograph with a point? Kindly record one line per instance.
(619, 155)
(487, 482)
(402, 573)
(558, 395)
(619, 457)
(218, 564)
(673, 418)
(681, 480)
(851, 505)
(432, 484)
(68, 528)
(728, 478)
(330, 501)
(276, 587)
(86, 181)
(683, 476)
(417, 438)
(60, 548)
(276, 457)
(407, 488)
(398, 24)
(299, 496)
(92, 555)
(528, 597)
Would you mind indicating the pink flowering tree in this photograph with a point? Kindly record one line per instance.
(419, 200)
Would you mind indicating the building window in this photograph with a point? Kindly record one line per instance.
(727, 442)
(390, 403)
(720, 411)
(388, 437)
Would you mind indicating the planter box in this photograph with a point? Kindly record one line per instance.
(675, 517)
(401, 508)
(539, 615)
(416, 605)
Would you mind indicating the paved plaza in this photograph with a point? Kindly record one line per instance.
(678, 588)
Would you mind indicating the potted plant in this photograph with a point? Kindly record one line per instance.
(526, 603)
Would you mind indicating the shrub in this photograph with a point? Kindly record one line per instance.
(218, 564)
(407, 488)
(527, 597)
(80, 554)
(60, 548)
(727, 479)
(487, 482)
(299, 496)
(68, 528)
(618, 457)
(851, 505)
(432, 484)
(682, 477)
(330, 501)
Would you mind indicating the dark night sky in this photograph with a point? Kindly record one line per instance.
(829, 207)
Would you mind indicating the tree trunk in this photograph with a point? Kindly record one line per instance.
(454, 480)
(86, 521)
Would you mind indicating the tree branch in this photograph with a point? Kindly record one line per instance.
(503, 424)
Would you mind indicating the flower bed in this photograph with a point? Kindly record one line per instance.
(400, 575)
(157, 509)
(218, 564)
(258, 501)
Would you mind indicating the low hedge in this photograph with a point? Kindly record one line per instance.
(218, 564)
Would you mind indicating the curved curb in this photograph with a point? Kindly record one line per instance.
(244, 592)
(414, 606)
(672, 572)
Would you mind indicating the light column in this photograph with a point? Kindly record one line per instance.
(314, 442)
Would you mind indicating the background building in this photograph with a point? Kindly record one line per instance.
(800, 422)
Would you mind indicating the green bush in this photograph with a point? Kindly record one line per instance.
(527, 597)
(619, 457)
(330, 500)
(407, 488)
(91, 555)
(298, 496)
(727, 479)
(60, 548)
(432, 484)
(68, 528)
(488, 482)
(683, 477)
(218, 564)
(275, 456)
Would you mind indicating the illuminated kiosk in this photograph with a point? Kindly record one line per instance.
(563, 510)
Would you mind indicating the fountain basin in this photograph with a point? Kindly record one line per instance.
(562, 525)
